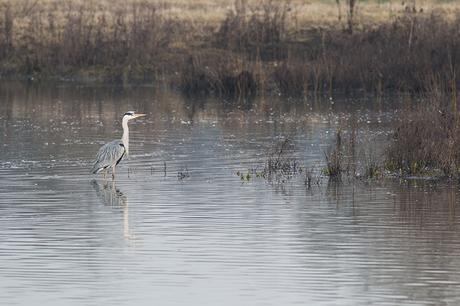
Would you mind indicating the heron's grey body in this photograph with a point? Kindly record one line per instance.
(110, 154)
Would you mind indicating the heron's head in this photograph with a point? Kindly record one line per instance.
(131, 115)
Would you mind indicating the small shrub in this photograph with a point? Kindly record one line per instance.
(426, 141)
(260, 30)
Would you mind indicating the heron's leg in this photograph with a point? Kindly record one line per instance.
(105, 173)
(113, 172)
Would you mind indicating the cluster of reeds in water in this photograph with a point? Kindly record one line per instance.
(280, 165)
(341, 159)
(424, 143)
(427, 140)
(254, 49)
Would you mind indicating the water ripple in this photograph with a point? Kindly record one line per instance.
(67, 237)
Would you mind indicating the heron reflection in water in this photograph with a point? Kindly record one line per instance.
(113, 197)
(110, 154)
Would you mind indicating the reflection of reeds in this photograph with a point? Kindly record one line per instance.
(426, 203)
(253, 48)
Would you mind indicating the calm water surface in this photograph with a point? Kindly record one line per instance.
(69, 238)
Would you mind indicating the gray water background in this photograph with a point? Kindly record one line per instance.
(70, 238)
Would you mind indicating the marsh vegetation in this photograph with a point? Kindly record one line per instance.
(234, 48)
(338, 117)
(241, 49)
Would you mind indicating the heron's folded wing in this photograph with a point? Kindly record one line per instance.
(108, 155)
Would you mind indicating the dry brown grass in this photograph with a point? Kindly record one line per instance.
(426, 140)
(206, 13)
(232, 47)
(319, 12)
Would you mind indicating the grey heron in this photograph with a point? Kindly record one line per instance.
(110, 154)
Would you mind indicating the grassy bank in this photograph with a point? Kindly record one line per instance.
(235, 48)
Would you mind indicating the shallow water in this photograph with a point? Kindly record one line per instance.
(67, 237)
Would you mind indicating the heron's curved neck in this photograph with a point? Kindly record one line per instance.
(125, 137)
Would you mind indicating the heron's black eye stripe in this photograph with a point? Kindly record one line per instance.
(129, 114)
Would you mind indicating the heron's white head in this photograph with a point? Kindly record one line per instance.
(131, 115)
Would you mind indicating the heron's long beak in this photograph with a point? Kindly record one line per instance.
(138, 115)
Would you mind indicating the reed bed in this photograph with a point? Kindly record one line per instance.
(233, 48)
(426, 141)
